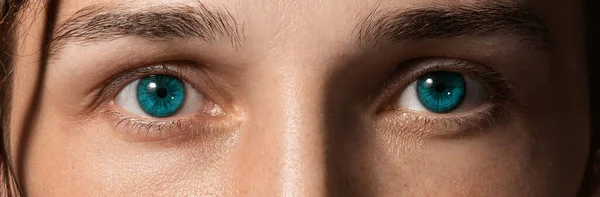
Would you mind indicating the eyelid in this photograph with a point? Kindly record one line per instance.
(114, 84)
(406, 73)
(134, 128)
(201, 82)
(424, 126)
(452, 125)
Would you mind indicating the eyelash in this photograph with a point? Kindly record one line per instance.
(152, 128)
(115, 84)
(446, 125)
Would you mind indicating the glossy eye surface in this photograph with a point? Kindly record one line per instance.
(442, 92)
(162, 96)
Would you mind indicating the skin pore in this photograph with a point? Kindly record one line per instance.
(300, 98)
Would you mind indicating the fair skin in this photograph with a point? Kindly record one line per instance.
(307, 96)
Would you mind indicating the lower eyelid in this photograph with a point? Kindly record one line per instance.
(130, 128)
(137, 130)
(441, 126)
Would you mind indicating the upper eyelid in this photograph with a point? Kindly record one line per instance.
(116, 83)
(156, 69)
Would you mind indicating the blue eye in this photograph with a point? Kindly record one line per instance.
(160, 95)
(441, 92)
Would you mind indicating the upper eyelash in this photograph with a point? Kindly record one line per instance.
(117, 83)
(141, 72)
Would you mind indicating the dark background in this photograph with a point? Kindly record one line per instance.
(592, 42)
(592, 7)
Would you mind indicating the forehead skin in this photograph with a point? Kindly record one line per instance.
(303, 124)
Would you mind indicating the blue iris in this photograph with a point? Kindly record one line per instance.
(160, 95)
(441, 92)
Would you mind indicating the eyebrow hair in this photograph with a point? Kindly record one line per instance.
(101, 23)
(443, 21)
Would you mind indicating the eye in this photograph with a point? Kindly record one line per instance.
(162, 96)
(442, 92)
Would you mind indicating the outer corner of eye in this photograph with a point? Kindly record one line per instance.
(442, 92)
(162, 96)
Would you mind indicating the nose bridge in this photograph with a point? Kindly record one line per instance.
(303, 137)
(288, 121)
(286, 132)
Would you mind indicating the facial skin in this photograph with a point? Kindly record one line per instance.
(300, 98)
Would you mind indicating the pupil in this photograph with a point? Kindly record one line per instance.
(440, 87)
(161, 92)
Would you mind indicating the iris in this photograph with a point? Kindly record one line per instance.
(441, 92)
(160, 95)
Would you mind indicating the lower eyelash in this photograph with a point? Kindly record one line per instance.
(147, 130)
(195, 126)
(446, 127)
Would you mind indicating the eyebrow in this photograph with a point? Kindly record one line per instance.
(164, 22)
(442, 21)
